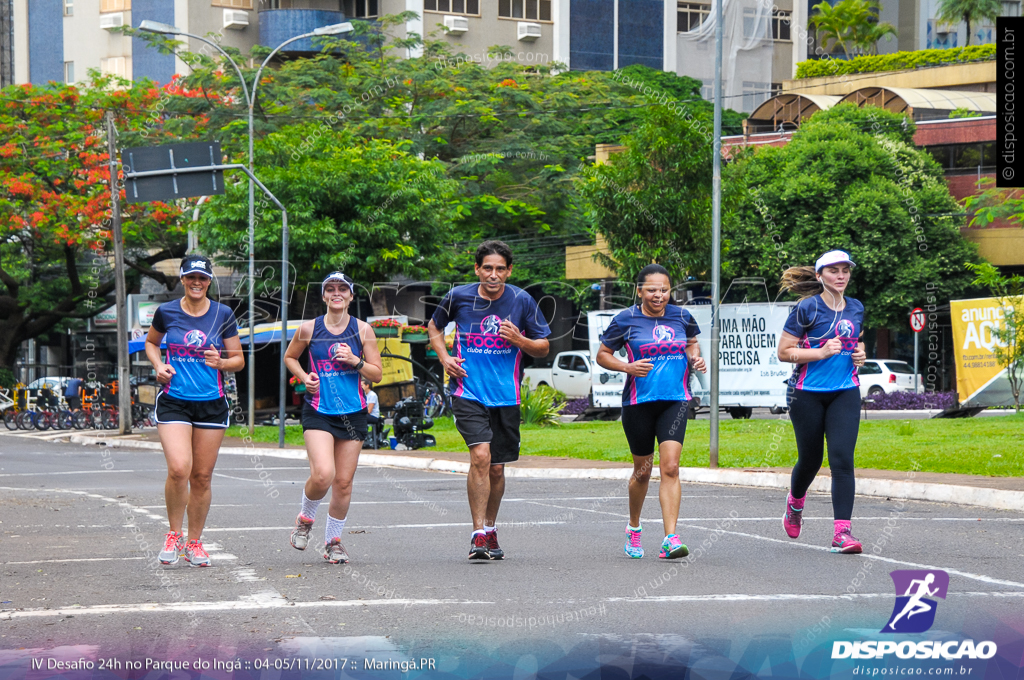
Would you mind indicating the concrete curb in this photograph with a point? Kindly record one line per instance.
(998, 499)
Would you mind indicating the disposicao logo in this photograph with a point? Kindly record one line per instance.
(914, 612)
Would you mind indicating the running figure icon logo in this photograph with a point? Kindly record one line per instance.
(844, 328)
(914, 612)
(333, 350)
(195, 338)
(490, 325)
(664, 334)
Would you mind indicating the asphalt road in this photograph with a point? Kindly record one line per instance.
(76, 523)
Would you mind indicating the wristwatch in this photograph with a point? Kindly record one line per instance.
(362, 362)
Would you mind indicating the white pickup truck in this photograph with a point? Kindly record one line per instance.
(570, 373)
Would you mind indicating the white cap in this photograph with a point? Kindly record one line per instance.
(833, 257)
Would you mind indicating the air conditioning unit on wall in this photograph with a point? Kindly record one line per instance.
(528, 32)
(456, 25)
(235, 19)
(112, 20)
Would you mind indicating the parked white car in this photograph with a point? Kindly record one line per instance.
(878, 376)
(569, 374)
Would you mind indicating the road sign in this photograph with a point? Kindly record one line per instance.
(172, 185)
(917, 319)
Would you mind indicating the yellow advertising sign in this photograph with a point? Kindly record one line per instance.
(979, 377)
(395, 370)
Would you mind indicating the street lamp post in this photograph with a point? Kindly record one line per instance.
(250, 100)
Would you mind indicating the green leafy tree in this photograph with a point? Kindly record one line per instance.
(367, 206)
(851, 179)
(969, 11)
(851, 25)
(1008, 347)
(511, 135)
(652, 202)
(56, 244)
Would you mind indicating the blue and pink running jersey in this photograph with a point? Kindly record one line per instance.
(660, 338)
(340, 389)
(188, 338)
(493, 367)
(815, 324)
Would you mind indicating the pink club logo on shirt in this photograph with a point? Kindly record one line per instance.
(333, 350)
(664, 334)
(490, 325)
(844, 328)
(195, 338)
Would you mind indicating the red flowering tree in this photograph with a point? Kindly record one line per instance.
(55, 241)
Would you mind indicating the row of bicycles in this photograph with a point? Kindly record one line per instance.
(95, 408)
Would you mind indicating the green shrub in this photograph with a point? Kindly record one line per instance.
(7, 377)
(898, 61)
(542, 405)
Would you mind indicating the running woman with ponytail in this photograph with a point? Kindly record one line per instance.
(661, 342)
(822, 337)
(341, 350)
(191, 411)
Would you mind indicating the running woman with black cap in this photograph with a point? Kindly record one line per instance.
(495, 323)
(191, 410)
(341, 350)
(661, 344)
(822, 337)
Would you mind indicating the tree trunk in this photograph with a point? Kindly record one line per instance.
(379, 301)
(967, 18)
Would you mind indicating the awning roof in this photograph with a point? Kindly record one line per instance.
(902, 98)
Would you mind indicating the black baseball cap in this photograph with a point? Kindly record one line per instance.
(339, 277)
(196, 264)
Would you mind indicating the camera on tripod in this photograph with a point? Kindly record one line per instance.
(409, 423)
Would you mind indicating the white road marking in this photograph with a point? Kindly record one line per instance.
(72, 472)
(116, 501)
(744, 597)
(265, 600)
(821, 548)
(244, 575)
(80, 559)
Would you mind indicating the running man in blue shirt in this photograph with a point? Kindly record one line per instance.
(191, 411)
(822, 337)
(661, 344)
(495, 324)
(341, 350)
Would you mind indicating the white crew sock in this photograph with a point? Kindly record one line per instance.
(334, 528)
(309, 507)
(488, 529)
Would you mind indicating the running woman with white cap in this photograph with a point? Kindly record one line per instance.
(661, 343)
(822, 337)
(191, 410)
(341, 349)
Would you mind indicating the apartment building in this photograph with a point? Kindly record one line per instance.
(60, 40)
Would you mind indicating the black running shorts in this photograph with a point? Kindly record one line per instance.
(349, 426)
(494, 425)
(205, 415)
(665, 420)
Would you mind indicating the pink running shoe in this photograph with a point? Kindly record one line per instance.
(792, 520)
(844, 542)
(633, 546)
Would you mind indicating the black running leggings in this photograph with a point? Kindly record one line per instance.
(834, 416)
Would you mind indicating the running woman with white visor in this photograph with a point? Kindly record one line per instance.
(341, 350)
(822, 337)
(191, 410)
(661, 343)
